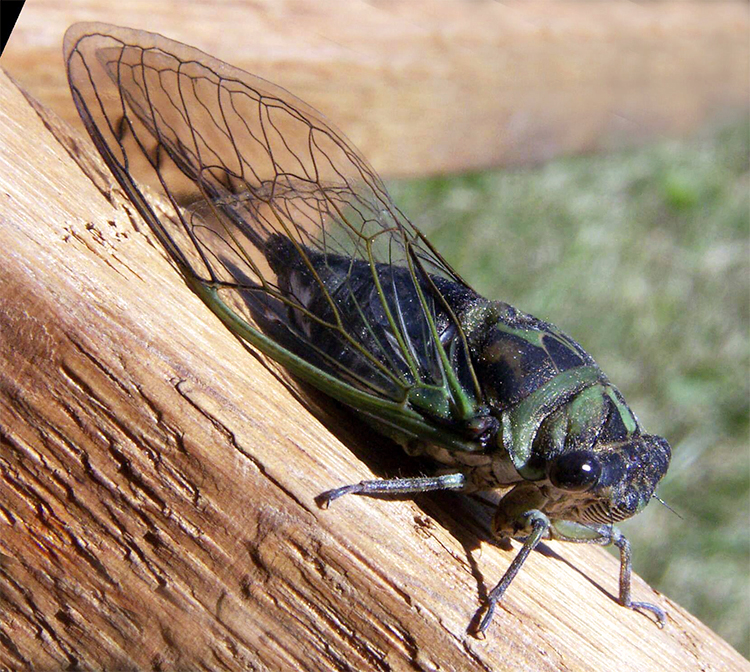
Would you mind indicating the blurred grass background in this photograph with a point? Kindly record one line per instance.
(643, 257)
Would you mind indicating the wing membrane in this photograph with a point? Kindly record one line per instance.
(272, 208)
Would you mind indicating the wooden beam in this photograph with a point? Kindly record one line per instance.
(424, 87)
(157, 482)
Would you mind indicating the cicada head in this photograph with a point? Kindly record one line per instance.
(593, 463)
(608, 483)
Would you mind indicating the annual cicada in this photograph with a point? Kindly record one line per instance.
(284, 230)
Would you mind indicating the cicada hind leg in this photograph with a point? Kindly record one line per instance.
(395, 486)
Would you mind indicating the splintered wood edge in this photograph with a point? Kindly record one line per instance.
(159, 482)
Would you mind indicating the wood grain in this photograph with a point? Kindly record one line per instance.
(424, 87)
(158, 483)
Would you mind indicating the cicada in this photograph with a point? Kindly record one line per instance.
(288, 235)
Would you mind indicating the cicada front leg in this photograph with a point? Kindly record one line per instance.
(518, 516)
(606, 535)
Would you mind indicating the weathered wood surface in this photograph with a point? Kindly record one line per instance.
(157, 483)
(432, 87)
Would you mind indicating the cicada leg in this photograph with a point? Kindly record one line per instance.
(538, 524)
(619, 540)
(518, 515)
(605, 535)
(395, 486)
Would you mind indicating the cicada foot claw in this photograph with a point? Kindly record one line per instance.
(324, 499)
(483, 618)
(661, 616)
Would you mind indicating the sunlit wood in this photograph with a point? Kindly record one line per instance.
(158, 483)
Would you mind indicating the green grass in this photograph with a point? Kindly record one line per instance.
(643, 257)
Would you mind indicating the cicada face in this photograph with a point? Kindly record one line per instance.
(608, 482)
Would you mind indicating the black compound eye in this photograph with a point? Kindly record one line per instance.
(576, 471)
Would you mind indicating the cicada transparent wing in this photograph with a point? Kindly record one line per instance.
(278, 223)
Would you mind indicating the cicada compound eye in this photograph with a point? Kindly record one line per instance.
(578, 471)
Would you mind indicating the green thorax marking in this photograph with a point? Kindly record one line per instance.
(521, 423)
